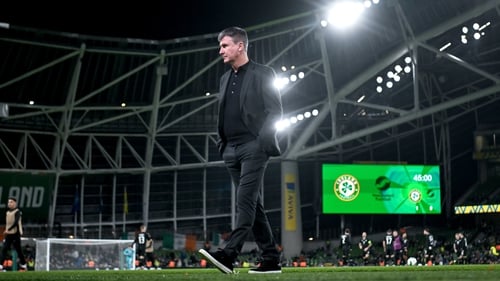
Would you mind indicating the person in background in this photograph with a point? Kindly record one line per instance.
(12, 234)
(397, 247)
(345, 246)
(249, 108)
(460, 248)
(150, 257)
(387, 246)
(142, 241)
(365, 245)
(430, 244)
(404, 250)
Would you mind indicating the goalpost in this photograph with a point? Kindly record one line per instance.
(96, 254)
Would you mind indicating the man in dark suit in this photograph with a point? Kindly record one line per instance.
(249, 108)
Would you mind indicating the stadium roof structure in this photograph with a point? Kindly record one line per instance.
(402, 85)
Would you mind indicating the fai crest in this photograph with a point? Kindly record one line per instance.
(346, 187)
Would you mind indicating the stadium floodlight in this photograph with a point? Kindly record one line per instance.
(315, 112)
(282, 125)
(123, 104)
(300, 117)
(407, 69)
(380, 79)
(345, 13)
(307, 114)
(280, 83)
(31, 102)
(408, 60)
(379, 89)
(301, 75)
(389, 84)
(293, 77)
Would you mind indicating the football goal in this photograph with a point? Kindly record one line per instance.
(96, 254)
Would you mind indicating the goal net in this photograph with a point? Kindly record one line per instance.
(96, 254)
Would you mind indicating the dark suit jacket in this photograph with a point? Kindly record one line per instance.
(260, 105)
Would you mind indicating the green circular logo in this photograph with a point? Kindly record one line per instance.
(346, 187)
(415, 195)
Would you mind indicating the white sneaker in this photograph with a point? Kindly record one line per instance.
(23, 266)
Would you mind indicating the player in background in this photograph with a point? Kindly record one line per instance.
(460, 248)
(365, 245)
(387, 246)
(142, 241)
(404, 250)
(430, 244)
(345, 246)
(397, 247)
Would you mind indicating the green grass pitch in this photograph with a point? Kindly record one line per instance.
(449, 272)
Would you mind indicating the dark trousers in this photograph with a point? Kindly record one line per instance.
(12, 240)
(246, 164)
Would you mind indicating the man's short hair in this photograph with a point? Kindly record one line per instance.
(13, 199)
(238, 34)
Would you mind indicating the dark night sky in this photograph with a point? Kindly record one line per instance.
(158, 20)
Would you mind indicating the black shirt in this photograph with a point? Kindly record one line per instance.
(235, 130)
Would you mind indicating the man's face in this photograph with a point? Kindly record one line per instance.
(230, 50)
(11, 204)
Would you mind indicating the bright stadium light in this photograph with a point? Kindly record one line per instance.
(344, 14)
(282, 125)
(315, 112)
(280, 83)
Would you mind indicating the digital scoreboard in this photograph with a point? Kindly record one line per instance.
(381, 189)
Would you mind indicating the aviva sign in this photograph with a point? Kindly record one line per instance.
(477, 209)
(32, 192)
